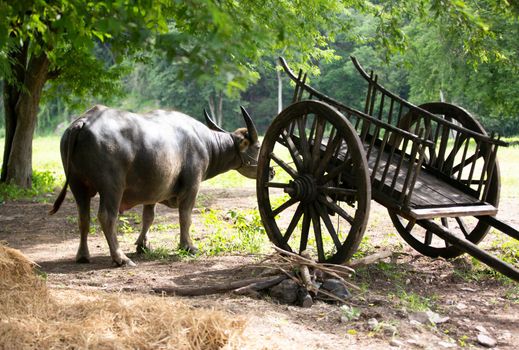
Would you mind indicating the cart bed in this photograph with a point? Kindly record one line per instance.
(431, 197)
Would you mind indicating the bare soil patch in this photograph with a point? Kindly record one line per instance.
(391, 290)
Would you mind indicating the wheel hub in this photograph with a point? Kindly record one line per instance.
(303, 188)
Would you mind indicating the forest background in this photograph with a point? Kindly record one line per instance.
(463, 52)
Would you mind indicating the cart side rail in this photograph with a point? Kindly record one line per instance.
(395, 155)
(465, 158)
(375, 88)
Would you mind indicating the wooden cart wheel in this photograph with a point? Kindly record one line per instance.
(318, 200)
(471, 228)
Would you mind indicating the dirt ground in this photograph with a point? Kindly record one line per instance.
(469, 304)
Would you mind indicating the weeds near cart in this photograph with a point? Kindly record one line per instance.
(233, 231)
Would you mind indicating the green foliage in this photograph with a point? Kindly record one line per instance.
(366, 247)
(242, 233)
(413, 301)
(504, 248)
(164, 227)
(350, 313)
(43, 182)
(66, 32)
(439, 60)
(159, 253)
(229, 179)
(176, 55)
(124, 225)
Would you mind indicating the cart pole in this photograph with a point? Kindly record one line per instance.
(471, 249)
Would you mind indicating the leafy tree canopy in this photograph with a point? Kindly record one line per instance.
(84, 47)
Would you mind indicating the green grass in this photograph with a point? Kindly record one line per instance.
(47, 171)
(233, 231)
(508, 158)
(45, 154)
(503, 247)
(228, 180)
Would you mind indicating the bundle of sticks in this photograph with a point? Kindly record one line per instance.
(290, 278)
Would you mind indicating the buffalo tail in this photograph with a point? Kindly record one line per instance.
(73, 135)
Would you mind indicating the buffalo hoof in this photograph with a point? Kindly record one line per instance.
(141, 249)
(124, 263)
(191, 250)
(82, 260)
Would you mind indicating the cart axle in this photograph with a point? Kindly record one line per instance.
(303, 188)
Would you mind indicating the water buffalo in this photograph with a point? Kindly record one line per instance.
(158, 157)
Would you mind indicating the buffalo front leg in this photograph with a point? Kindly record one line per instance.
(107, 215)
(148, 215)
(185, 209)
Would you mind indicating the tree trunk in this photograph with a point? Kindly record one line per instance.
(18, 61)
(10, 97)
(216, 107)
(211, 105)
(21, 108)
(280, 91)
(219, 113)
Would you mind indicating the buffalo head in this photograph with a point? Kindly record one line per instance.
(246, 142)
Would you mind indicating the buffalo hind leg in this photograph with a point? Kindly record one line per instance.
(82, 197)
(107, 215)
(148, 215)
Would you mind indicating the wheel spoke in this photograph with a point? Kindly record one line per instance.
(450, 159)
(304, 231)
(318, 139)
(331, 147)
(410, 225)
(293, 223)
(329, 226)
(337, 190)
(336, 172)
(284, 165)
(428, 238)
(284, 206)
(294, 152)
(463, 227)
(317, 233)
(445, 222)
(277, 185)
(305, 149)
(312, 130)
(337, 209)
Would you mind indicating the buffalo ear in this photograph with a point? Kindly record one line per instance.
(251, 128)
(210, 123)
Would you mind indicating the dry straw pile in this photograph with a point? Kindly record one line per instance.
(32, 317)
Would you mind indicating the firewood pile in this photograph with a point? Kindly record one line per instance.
(285, 277)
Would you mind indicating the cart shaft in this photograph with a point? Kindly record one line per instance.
(472, 249)
(501, 226)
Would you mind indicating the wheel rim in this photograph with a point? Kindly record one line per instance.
(319, 199)
(471, 228)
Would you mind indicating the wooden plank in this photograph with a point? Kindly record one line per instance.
(471, 210)
(428, 189)
(431, 196)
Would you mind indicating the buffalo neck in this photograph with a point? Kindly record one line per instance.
(223, 154)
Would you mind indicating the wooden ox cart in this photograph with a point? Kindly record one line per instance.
(432, 166)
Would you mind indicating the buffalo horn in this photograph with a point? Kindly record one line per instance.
(210, 123)
(251, 128)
